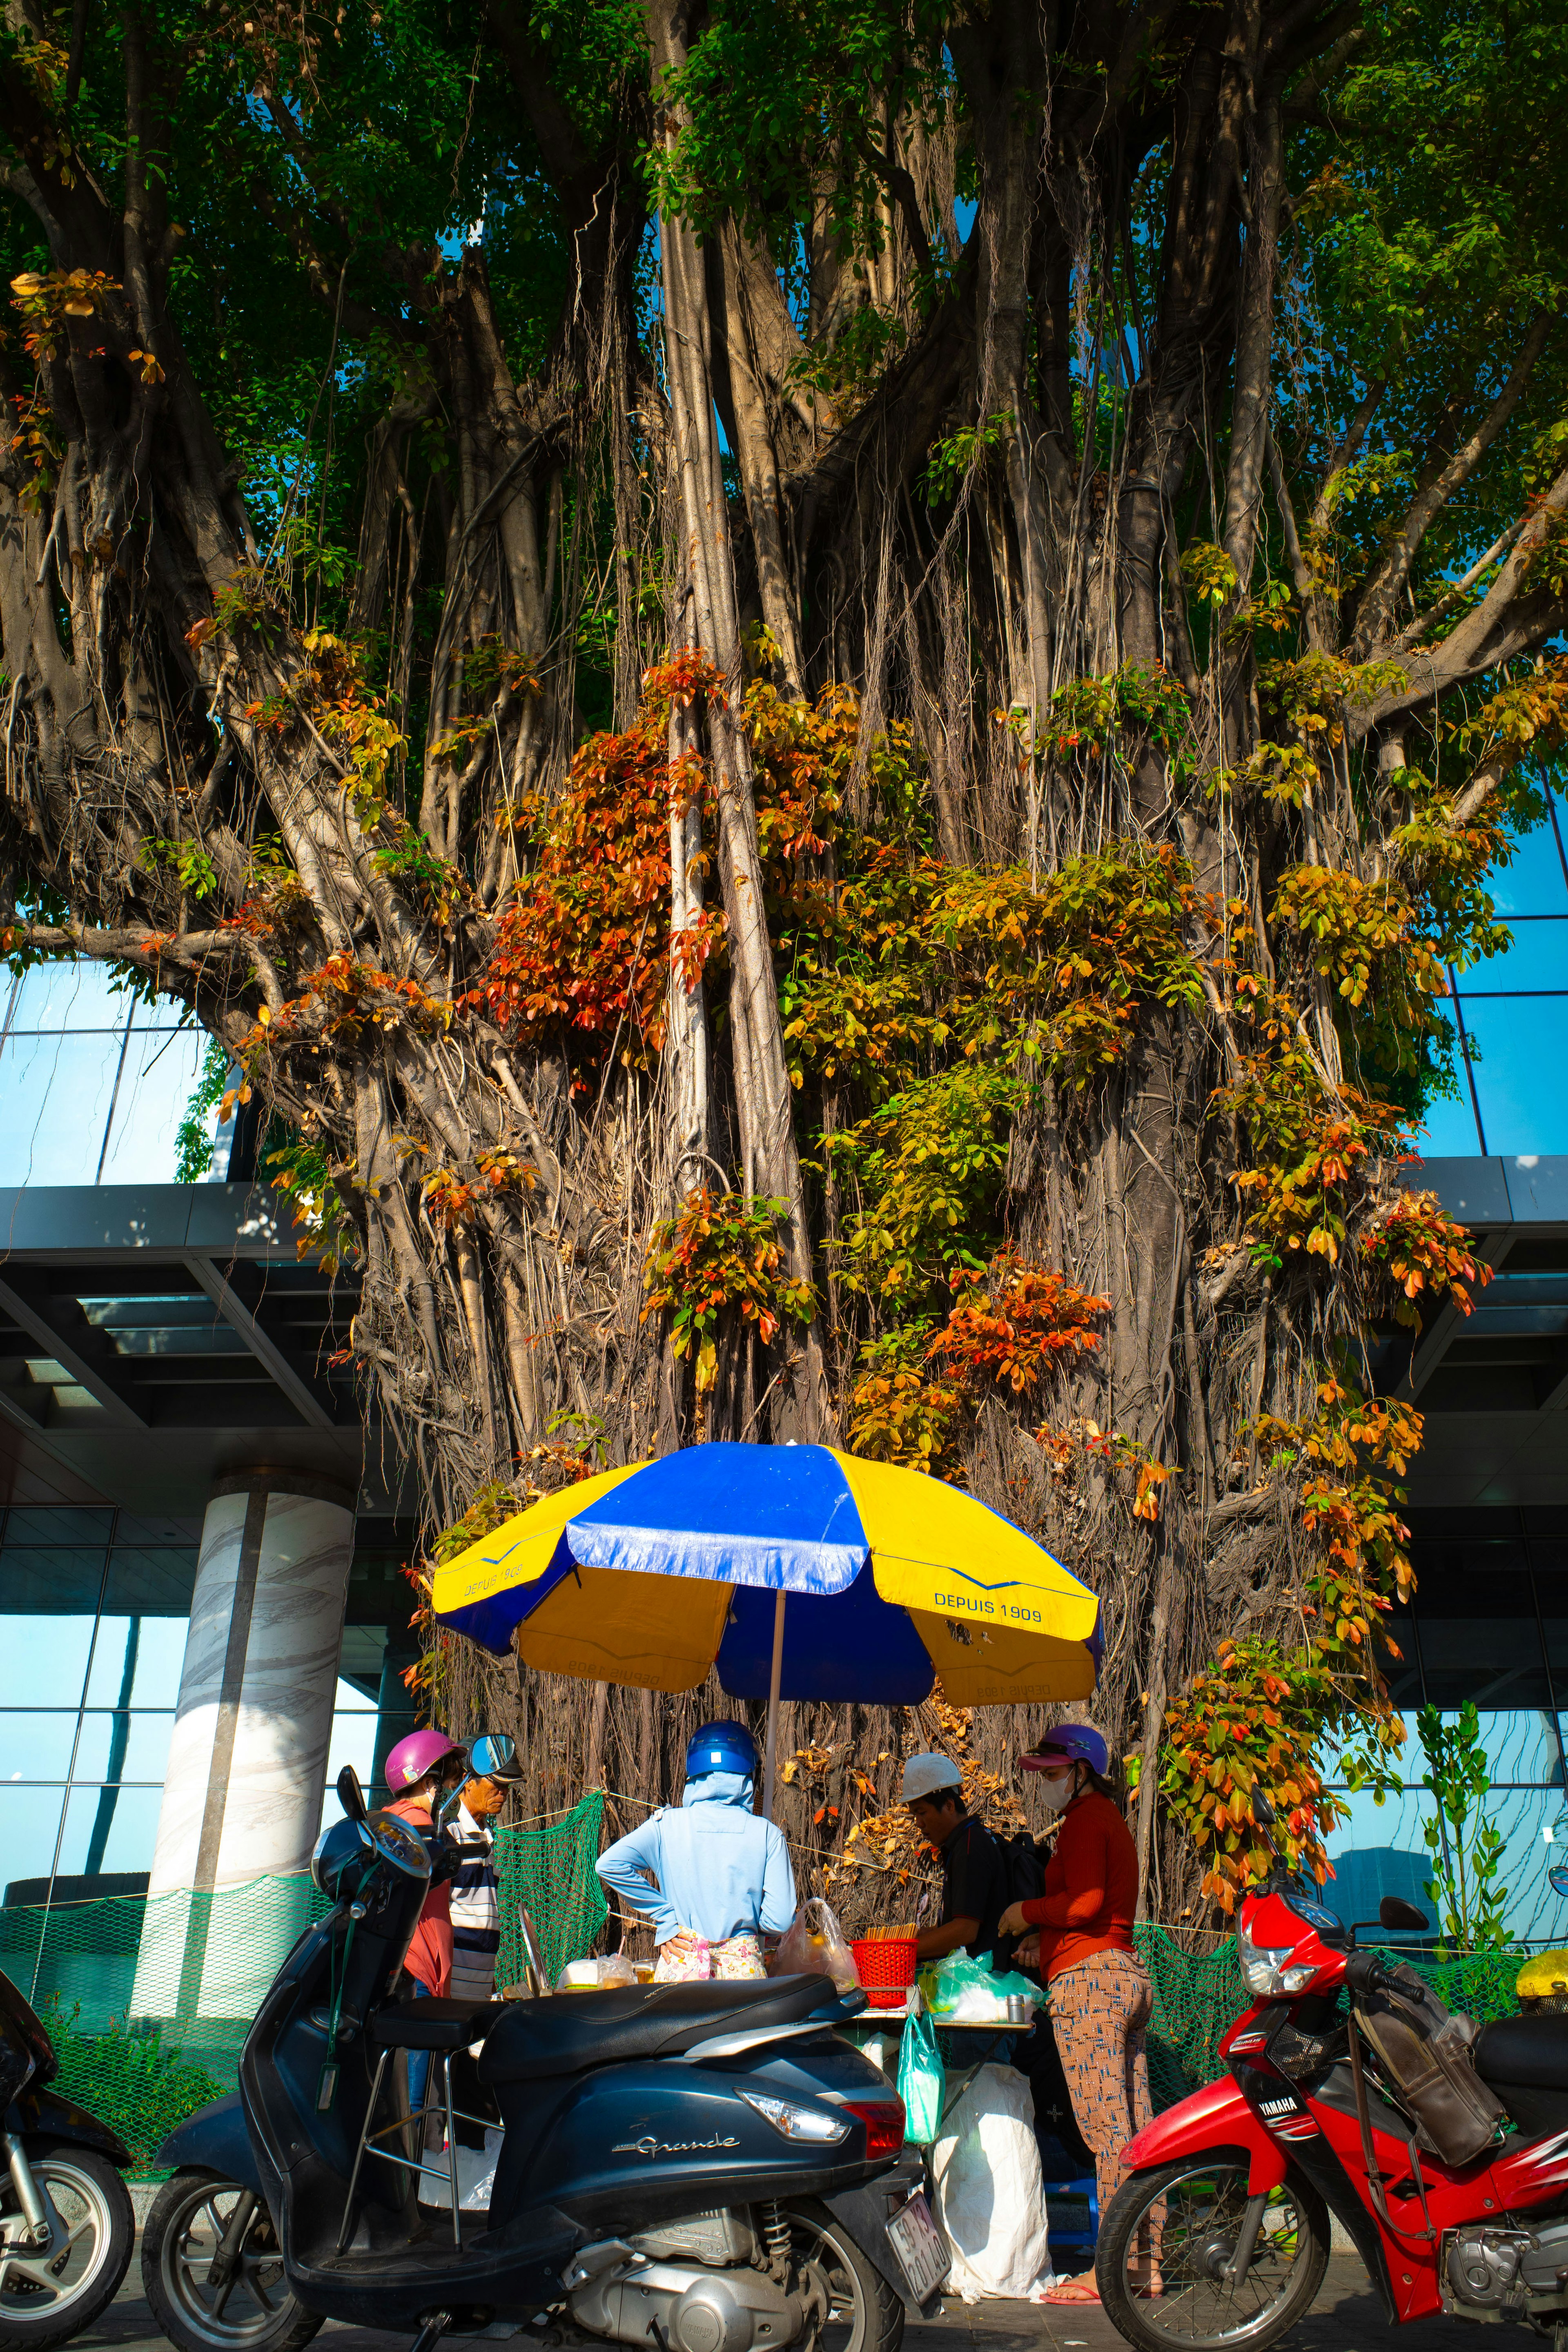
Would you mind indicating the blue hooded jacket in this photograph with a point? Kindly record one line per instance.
(721, 1868)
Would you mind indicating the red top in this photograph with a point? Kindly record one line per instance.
(1091, 1887)
(430, 1955)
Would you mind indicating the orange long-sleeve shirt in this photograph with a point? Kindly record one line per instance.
(430, 1955)
(1091, 1887)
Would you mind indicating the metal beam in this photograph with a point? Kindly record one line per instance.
(53, 1342)
(1446, 1324)
(299, 1393)
(1555, 1398)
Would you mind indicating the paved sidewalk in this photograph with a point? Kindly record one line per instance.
(1347, 2317)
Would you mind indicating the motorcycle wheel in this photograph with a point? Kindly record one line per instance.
(1205, 2200)
(864, 2313)
(254, 2312)
(46, 2297)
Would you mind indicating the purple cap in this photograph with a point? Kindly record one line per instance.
(1067, 1743)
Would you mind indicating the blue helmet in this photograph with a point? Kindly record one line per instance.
(722, 1746)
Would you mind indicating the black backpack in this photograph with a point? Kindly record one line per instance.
(1026, 1868)
(1023, 1869)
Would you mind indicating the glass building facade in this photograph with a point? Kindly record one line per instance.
(1487, 1623)
(95, 1605)
(1510, 1014)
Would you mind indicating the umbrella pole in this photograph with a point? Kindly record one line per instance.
(770, 1760)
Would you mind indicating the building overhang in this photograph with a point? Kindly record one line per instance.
(154, 1339)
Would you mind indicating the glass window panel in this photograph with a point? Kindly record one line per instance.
(46, 1658)
(1525, 1801)
(361, 1662)
(1532, 884)
(24, 1525)
(30, 1824)
(1497, 1665)
(161, 1069)
(352, 1742)
(133, 1529)
(1538, 958)
(46, 1584)
(1556, 1629)
(1486, 1578)
(155, 1659)
(55, 1093)
(1514, 1045)
(35, 1746)
(1449, 1123)
(70, 996)
(130, 1816)
(149, 1581)
(144, 1757)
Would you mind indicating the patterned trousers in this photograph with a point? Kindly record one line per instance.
(1099, 2012)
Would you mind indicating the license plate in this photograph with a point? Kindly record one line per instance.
(919, 2247)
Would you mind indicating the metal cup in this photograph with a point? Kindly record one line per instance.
(1018, 2009)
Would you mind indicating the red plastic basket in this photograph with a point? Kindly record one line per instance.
(887, 1970)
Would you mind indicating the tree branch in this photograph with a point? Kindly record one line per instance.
(901, 186)
(1384, 588)
(1510, 619)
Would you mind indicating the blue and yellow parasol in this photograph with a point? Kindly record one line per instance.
(654, 1574)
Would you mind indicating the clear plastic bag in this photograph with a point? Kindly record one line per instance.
(923, 2082)
(596, 1976)
(813, 1945)
(964, 1989)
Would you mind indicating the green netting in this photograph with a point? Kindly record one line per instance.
(148, 2000)
(1196, 1996)
(552, 1871)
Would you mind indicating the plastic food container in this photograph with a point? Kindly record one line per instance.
(887, 1967)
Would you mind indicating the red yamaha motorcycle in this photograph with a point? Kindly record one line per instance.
(1226, 2215)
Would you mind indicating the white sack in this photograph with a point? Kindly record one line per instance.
(990, 2198)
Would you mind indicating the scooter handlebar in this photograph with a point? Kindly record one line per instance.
(1364, 1973)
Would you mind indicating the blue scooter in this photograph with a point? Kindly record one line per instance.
(693, 2168)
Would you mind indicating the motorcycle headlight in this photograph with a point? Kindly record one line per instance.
(1265, 1969)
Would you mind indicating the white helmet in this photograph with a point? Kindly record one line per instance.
(924, 1776)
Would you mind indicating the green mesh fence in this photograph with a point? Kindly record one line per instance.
(148, 2000)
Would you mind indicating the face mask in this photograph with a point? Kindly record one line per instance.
(1055, 1788)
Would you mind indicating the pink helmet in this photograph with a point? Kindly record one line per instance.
(414, 1757)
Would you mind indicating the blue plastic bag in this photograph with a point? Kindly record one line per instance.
(922, 2083)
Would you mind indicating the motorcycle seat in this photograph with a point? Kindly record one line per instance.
(1529, 2050)
(537, 2038)
(433, 2024)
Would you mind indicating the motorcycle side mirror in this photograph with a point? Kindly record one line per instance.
(493, 1757)
(1262, 1811)
(351, 1795)
(1394, 1912)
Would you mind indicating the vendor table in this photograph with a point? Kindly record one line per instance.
(966, 2044)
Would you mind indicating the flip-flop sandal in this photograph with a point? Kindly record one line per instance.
(1072, 2291)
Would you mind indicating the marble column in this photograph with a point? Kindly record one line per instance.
(242, 1800)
